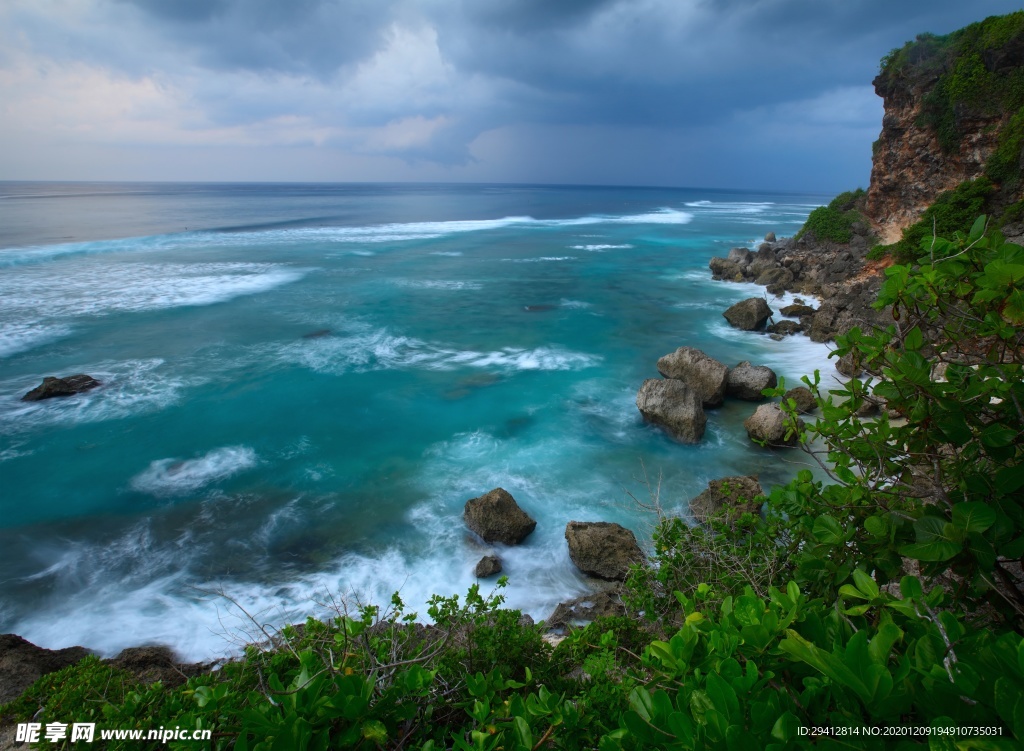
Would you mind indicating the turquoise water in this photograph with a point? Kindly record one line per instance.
(302, 389)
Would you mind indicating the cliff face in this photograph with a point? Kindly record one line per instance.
(951, 105)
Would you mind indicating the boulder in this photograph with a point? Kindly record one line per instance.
(602, 549)
(489, 565)
(725, 269)
(496, 517)
(749, 315)
(730, 497)
(803, 398)
(747, 381)
(674, 406)
(155, 663)
(23, 663)
(69, 386)
(742, 256)
(768, 425)
(586, 608)
(775, 276)
(769, 237)
(702, 373)
(797, 310)
(849, 365)
(785, 328)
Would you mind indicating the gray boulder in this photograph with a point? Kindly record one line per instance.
(602, 549)
(496, 517)
(797, 310)
(586, 608)
(849, 365)
(704, 374)
(803, 398)
(773, 276)
(69, 386)
(749, 315)
(747, 381)
(730, 497)
(722, 268)
(768, 425)
(769, 237)
(489, 565)
(742, 256)
(674, 406)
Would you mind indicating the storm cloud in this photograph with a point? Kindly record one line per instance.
(719, 93)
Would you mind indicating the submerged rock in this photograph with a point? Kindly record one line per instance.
(674, 406)
(748, 315)
(768, 425)
(704, 374)
(729, 496)
(69, 386)
(747, 381)
(489, 565)
(496, 517)
(602, 549)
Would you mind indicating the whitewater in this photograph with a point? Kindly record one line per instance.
(303, 384)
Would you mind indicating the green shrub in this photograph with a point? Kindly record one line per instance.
(953, 211)
(834, 222)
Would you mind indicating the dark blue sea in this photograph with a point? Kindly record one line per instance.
(303, 384)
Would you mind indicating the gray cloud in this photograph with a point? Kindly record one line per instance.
(460, 85)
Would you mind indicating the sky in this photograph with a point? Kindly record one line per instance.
(745, 94)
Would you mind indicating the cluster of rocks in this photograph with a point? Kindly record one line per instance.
(68, 386)
(835, 273)
(693, 381)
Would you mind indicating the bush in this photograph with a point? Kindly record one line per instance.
(834, 223)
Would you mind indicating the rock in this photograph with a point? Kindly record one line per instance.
(602, 549)
(154, 663)
(724, 269)
(23, 663)
(775, 276)
(849, 365)
(51, 387)
(674, 406)
(769, 237)
(749, 315)
(734, 496)
(489, 565)
(747, 381)
(797, 310)
(741, 256)
(804, 399)
(496, 517)
(768, 425)
(785, 328)
(702, 373)
(586, 608)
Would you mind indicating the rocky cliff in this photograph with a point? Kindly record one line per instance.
(954, 111)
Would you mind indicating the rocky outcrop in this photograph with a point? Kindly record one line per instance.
(496, 517)
(155, 663)
(586, 608)
(749, 315)
(768, 425)
(23, 663)
(702, 373)
(728, 497)
(747, 381)
(489, 565)
(52, 387)
(602, 549)
(674, 406)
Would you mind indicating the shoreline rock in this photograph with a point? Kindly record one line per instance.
(674, 406)
(52, 387)
(702, 373)
(602, 549)
(496, 517)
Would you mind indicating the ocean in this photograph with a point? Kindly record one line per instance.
(303, 384)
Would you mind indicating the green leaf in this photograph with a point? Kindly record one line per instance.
(522, 731)
(933, 541)
(998, 435)
(978, 228)
(913, 340)
(973, 516)
(1010, 479)
(910, 588)
(865, 584)
(877, 526)
(827, 530)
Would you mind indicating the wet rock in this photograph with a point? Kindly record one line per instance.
(797, 310)
(674, 406)
(747, 381)
(776, 276)
(730, 497)
(785, 328)
(725, 269)
(69, 386)
(586, 608)
(748, 315)
(496, 517)
(768, 425)
(23, 663)
(705, 375)
(803, 398)
(602, 549)
(489, 565)
(741, 256)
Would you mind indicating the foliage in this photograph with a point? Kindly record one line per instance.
(952, 211)
(835, 221)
